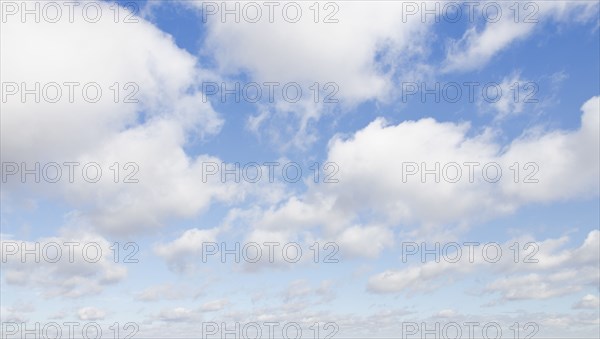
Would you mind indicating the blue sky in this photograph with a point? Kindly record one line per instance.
(377, 128)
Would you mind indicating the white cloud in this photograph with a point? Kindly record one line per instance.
(167, 291)
(302, 292)
(298, 289)
(477, 47)
(536, 286)
(189, 245)
(386, 321)
(372, 188)
(176, 314)
(91, 314)
(558, 272)
(588, 301)
(215, 305)
(515, 93)
(18, 312)
(306, 52)
(363, 57)
(447, 313)
(72, 266)
(365, 241)
(8, 314)
(151, 133)
(45, 52)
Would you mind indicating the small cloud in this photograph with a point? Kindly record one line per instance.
(447, 313)
(162, 292)
(215, 305)
(589, 301)
(91, 313)
(176, 314)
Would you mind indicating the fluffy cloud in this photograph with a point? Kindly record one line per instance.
(375, 185)
(151, 132)
(363, 57)
(189, 244)
(308, 52)
(62, 52)
(364, 213)
(353, 240)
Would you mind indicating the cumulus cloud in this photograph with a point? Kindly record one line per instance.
(376, 201)
(46, 52)
(383, 181)
(364, 58)
(308, 52)
(146, 121)
(353, 240)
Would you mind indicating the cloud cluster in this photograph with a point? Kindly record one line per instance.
(166, 114)
(70, 265)
(558, 272)
(375, 193)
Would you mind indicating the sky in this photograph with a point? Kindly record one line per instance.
(300, 169)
